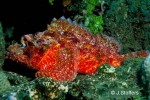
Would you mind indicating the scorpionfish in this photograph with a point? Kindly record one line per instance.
(66, 49)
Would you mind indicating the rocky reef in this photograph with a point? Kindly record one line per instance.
(84, 87)
(145, 77)
(128, 22)
(4, 83)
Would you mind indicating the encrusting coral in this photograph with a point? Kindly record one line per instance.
(65, 49)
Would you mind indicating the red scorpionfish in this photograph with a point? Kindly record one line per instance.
(65, 49)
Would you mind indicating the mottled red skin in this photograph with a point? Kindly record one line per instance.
(65, 49)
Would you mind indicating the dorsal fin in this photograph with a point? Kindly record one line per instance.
(69, 20)
(62, 17)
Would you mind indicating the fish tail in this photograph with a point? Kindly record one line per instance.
(137, 54)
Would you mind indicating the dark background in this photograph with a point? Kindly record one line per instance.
(28, 16)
